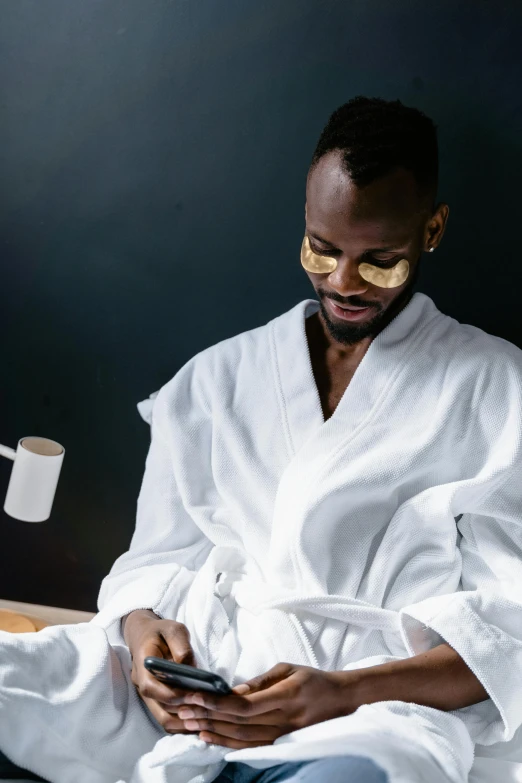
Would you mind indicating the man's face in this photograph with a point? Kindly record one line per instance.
(378, 224)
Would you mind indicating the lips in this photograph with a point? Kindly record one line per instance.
(350, 307)
(348, 313)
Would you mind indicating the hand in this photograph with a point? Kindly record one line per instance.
(146, 634)
(286, 698)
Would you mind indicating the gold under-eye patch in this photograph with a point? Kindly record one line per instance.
(383, 278)
(313, 262)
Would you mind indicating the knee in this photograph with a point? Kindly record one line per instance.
(341, 769)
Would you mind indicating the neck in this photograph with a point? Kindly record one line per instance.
(324, 341)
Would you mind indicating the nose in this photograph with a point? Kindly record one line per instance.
(345, 279)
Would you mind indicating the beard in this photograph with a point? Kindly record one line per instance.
(351, 333)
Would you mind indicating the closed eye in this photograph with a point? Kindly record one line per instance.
(332, 253)
(380, 262)
(328, 252)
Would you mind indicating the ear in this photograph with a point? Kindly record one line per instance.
(436, 226)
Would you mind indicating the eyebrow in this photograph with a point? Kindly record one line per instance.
(372, 250)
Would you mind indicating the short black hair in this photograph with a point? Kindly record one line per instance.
(375, 136)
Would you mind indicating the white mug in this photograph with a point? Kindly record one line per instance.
(36, 468)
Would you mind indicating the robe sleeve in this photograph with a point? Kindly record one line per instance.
(167, 546)
(483, 620)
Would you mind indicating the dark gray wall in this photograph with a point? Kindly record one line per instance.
(153, 157)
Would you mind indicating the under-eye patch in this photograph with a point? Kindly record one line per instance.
(313, 262)
(393, 277)
(383, 278)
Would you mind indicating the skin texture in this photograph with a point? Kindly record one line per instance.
(353, 225)
(146, 634)
(290, 697)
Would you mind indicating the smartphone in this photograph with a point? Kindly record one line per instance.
(179, 675)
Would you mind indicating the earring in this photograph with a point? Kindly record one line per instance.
(431, 249)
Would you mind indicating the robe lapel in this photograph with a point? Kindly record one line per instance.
(298, 394)
(387, 356)
(312, 442)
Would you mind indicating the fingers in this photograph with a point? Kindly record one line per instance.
(174, 702)
(149, 687)
(273, 718)
(177, 638)
(161, 639)
(278, 672)
(169, 640)
(272, 698)
(171, 723)
(229, 742)
(252, 704)
(235, 705)
(250, 734)
(153, 646)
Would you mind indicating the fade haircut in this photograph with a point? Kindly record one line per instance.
(375, 136)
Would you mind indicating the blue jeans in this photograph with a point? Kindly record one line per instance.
(333, 769)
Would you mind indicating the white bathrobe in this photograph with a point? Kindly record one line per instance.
(276, 536)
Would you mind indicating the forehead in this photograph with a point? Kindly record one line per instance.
(387, 208)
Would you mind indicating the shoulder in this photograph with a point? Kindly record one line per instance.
(490, 358)
(468, 352)
(476, 377)
(215, 369)
(483, 378)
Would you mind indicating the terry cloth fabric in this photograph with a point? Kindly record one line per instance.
(277, 536)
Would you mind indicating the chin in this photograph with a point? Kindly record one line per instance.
(351, 333)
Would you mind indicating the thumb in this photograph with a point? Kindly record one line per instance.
(177, 639)
(277, 673)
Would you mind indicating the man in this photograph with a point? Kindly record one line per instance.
(330, 518)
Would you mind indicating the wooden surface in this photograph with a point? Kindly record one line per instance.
(50, 615)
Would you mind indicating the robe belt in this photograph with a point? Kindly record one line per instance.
(258, 596)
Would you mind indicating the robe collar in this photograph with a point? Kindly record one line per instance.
(388, 355)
